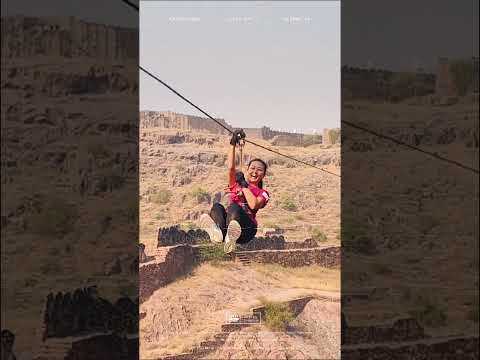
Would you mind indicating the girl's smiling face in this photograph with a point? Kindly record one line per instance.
(255, 172)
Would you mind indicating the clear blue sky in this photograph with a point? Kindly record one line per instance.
(244, 62)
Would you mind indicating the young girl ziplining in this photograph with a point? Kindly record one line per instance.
(238, 222)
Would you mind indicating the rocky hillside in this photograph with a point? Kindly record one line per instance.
(414, 214)
(183, 173)
(193, 310)
(69, 139)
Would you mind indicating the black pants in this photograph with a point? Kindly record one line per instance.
(223, 217)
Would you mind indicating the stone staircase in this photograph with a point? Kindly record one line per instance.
(209, 346)
(55, 349)
(243, 259)
(161, 253)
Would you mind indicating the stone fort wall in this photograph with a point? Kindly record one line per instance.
(379, 84)
(176, 121)
(24, 37)
(172, 120)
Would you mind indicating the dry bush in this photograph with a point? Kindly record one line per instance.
(162, 197)
(277, 315)
(318, 235)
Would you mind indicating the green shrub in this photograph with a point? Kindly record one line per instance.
(162, 197)
(201, 195)
(277, 315)
(288, 204)
(212, 253)
(188, 226)
(318, 235)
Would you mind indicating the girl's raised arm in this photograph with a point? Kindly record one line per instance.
(231, 165)
(237, 135)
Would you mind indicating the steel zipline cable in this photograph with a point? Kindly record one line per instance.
(398, 142)
(132, 5)
(183, 98)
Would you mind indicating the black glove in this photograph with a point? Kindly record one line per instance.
(240, 179)
(237, 135)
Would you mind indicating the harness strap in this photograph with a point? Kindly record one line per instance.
(241, 144)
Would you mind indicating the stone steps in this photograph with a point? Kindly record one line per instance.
(243, 259)
(161, 253)
(55, 349)
(219, 339)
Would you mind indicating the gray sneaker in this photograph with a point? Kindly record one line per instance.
(206, 223)
(234, 231)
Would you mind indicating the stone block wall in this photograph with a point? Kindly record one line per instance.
(105, 347)
(275, 243)
(440, 349)
(402, 330)
(180, 260)
(66, 37)
(172, 120)
(307, 244)
(83, 311)
(326, 257)
(260, 243)
(288, 140)
(153, 275)
(173, 235)
(378, 84)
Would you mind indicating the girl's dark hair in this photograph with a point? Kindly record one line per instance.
(260, 184)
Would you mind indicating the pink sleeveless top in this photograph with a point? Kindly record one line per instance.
(240, 199)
